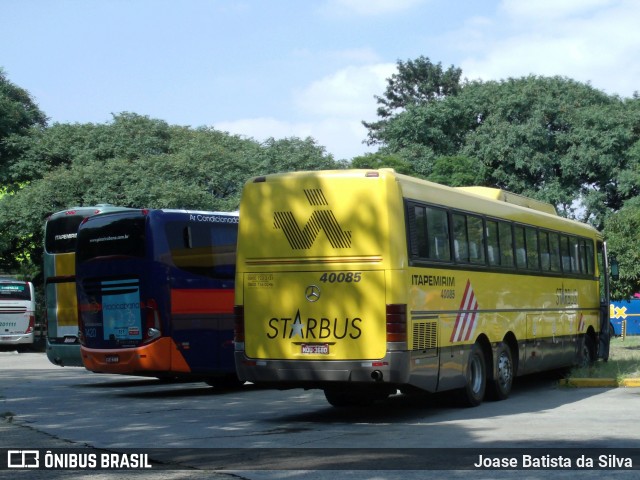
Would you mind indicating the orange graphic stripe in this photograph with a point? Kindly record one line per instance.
(192, 301)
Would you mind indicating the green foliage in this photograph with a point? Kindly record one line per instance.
(18, 113)
(128, 136)
(458, 171)
(133, 161)
(622, 233)
(293, 154)
(418, 82)
(550, 138)
(380, 160)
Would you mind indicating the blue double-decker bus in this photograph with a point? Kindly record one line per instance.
(155, 294)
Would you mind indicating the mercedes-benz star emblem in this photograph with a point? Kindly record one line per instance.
(312, 293)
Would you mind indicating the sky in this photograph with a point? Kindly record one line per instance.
(296, 68)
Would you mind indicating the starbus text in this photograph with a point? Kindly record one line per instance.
(313, 328)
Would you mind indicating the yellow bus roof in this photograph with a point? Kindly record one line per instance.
(489, 201)
(504, 196)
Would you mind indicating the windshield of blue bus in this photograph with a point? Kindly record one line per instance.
(112, 235)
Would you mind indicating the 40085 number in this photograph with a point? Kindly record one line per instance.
(341, 277)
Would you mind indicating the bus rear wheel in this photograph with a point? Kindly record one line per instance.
(500, 385)
(476, 378)
(588, 354)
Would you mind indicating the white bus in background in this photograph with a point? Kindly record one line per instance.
(17, 312)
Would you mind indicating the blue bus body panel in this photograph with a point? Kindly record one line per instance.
(194, 301)
(627, 311)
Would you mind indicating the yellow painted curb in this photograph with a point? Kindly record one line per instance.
(589, 382)
(630, 382)
(600, 382)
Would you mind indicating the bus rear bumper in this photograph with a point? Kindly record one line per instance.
(153, 359)
(64, 355)
(391, 370)
(16, 339)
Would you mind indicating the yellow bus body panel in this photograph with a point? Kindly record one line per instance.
(66, 299)
(342, 324)
(304, 230)
(310, 238)
(548, 308)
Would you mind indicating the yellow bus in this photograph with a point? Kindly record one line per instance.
(365, 282)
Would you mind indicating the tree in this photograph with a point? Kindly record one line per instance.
(380, 160)
(293, 154)
(550, 138)
(622, 233)
(18, 113)
(418, 82)
(129, 136)
(458, 171)
(134, 161)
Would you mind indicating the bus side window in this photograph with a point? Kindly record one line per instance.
(460, 241)
(521, 251)
(506, 244)
(428, 232)
(438, 233)
(575, 254)
(493, 249)
(545, 255)
(186, 237)
(418, 227)
(476, 239)
(565, 252)
(590, 253)
(533, 257)
(585, 259)
(554, 247)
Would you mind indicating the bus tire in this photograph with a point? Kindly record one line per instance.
(475, 372)
(502, 381)
(588, 352)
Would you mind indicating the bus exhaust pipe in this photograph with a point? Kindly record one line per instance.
(377, 376)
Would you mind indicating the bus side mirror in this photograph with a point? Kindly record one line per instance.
(615, 271)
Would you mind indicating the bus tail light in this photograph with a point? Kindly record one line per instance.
(32, 324)
(152, 322)
(396, 323)
(238, 327)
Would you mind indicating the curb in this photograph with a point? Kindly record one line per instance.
(600, 382)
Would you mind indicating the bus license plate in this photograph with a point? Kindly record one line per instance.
(112, 358)
(315, 349)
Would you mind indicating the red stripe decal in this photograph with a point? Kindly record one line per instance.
(187, 301)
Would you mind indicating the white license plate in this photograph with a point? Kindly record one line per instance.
(316, 349)
(112, 358)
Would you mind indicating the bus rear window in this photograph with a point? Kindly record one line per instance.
(15, 291)
(203, 249)
(61, 234)
(111, 235)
